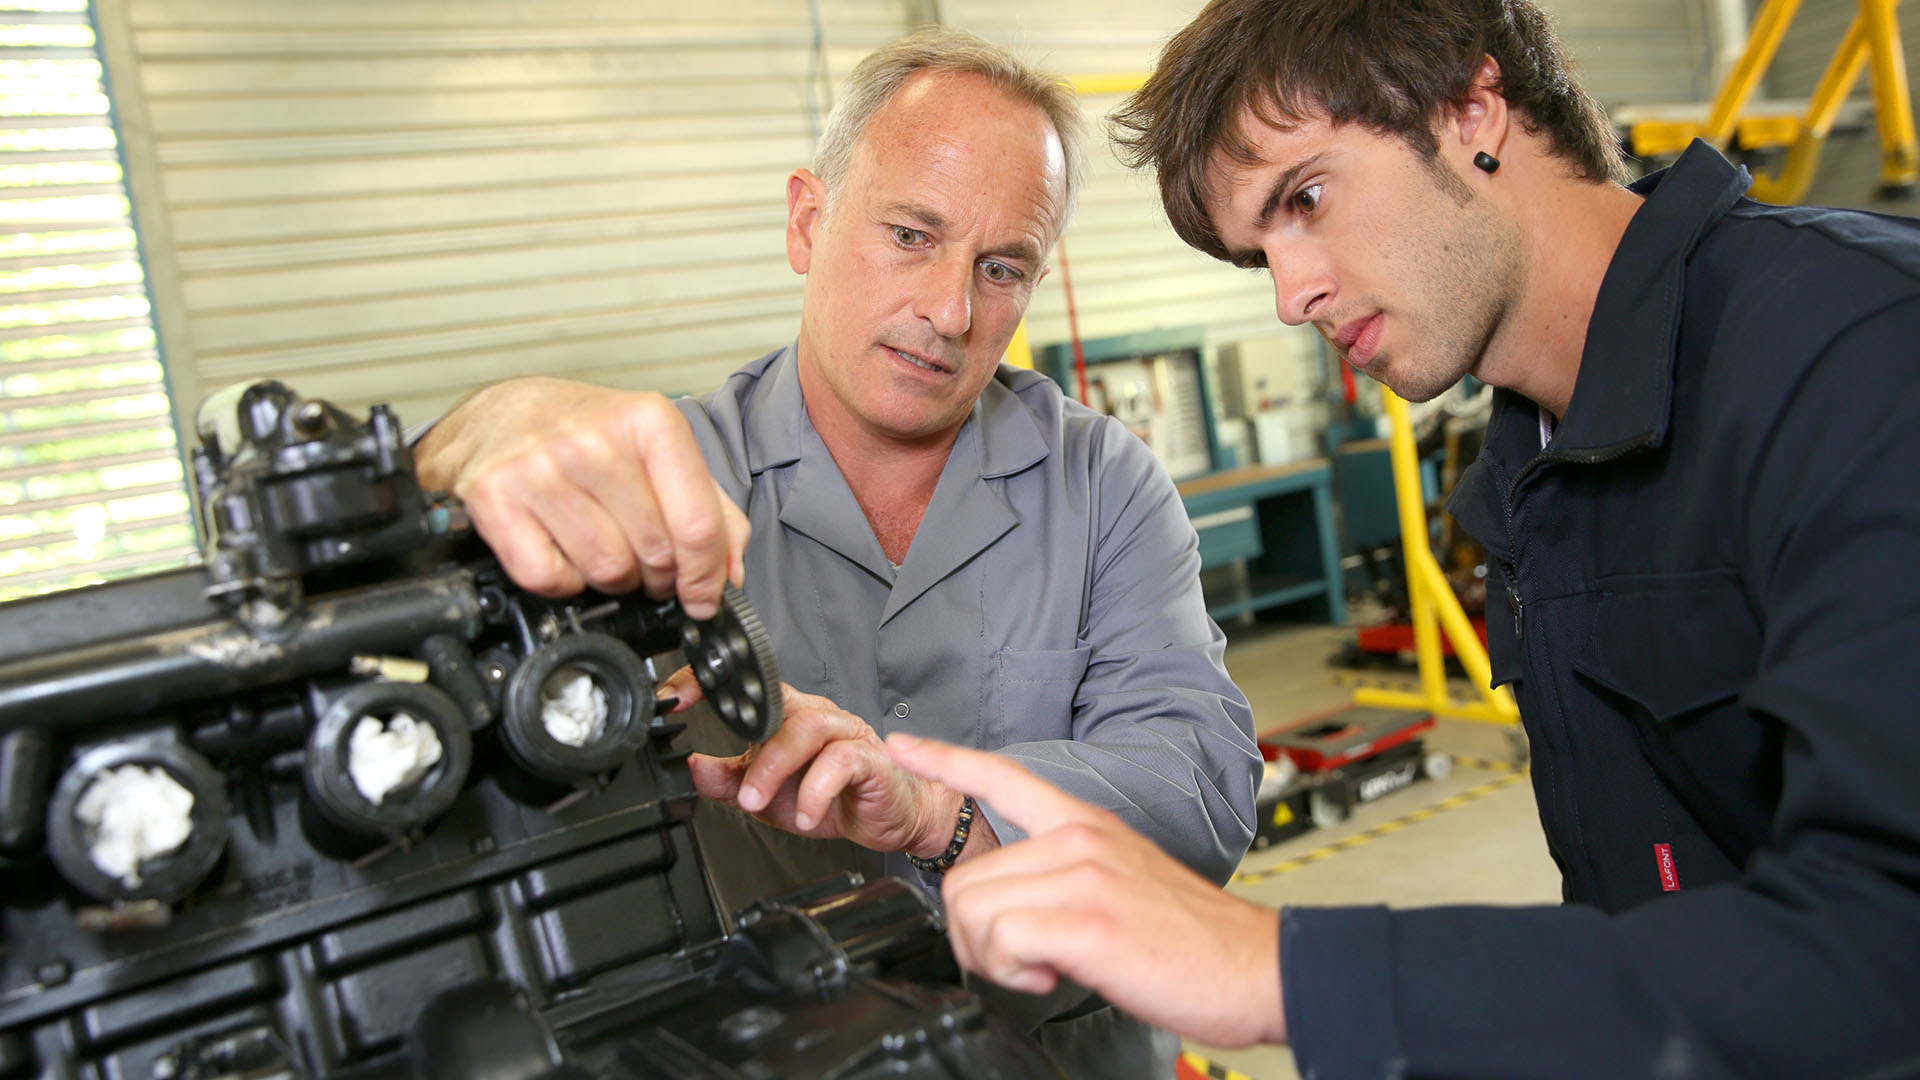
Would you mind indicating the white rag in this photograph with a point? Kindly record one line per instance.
(133, 813)
(382, 757)
(577, 713)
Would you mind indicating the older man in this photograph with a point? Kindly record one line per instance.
(940, 544)
(1697, 494)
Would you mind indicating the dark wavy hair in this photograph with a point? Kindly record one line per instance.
(1392, 65)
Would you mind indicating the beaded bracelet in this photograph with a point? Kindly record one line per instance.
(943, 862)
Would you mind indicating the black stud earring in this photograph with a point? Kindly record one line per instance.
(1486, 163)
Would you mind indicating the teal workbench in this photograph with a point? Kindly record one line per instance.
(1279, 519)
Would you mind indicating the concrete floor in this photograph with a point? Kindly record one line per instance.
(1482, 846)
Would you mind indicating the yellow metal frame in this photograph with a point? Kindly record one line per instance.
(1020, 349)
(1116, 83)
(1873, 37)
(1435, 608)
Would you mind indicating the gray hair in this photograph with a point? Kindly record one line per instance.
(944, 49)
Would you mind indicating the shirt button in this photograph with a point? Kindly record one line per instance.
(900, 710)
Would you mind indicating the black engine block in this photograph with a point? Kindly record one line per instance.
(212, 866)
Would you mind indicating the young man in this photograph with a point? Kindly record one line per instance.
(1697, 497)
(939, 544)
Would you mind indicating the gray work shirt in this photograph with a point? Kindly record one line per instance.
(1049, 607)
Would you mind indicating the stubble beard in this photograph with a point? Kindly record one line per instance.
(1485, 276)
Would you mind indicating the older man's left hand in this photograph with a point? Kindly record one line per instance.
(826, 774)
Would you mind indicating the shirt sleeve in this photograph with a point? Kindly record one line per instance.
(1162, 736)
(1809, 963)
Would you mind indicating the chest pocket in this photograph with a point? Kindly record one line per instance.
(1674, 652)
(1033, 694)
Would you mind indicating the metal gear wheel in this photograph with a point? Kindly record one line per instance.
(732, 657)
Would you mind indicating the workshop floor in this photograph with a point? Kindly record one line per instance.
(1480, 842)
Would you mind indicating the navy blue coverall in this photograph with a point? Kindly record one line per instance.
(1711, 619)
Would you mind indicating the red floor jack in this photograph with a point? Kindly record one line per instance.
(1319, 769)
(1393, 642)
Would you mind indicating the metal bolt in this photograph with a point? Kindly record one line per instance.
(391, 668)
(310, 417)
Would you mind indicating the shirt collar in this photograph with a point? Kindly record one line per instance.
(772, 425)
(1624, 390)
(1000, 430)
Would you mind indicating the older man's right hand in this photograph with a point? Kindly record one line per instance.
(575, 485)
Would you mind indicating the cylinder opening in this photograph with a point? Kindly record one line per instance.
(574, 708)
(388, 752)
(131, 815)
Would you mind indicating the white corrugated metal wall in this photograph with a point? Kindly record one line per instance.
(402, 199)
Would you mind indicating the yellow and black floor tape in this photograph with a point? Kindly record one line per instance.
(1512, 774)
(1195, 1067)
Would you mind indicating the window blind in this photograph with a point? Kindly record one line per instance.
(91, 478)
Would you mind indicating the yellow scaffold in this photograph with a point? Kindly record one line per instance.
(1435, 608)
